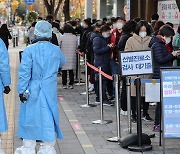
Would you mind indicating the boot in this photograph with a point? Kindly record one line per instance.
(27, 148)
(1, 151)
(47, 148)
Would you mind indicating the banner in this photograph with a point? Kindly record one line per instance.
(170, 89)
(168, 11)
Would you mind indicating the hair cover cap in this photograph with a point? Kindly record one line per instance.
(43, 29)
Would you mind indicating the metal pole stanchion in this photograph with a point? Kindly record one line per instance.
(117, 138)
(102, 121)
(87, 86)
(14, 41)
(139, 147)
(128, 90)
(79, 72)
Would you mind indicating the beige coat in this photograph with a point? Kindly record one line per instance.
(137, 43)
(68, 45)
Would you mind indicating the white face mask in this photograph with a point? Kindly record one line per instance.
(143, 34)
(168, 40)
(82, 24)
(114, 26)
(119, 25)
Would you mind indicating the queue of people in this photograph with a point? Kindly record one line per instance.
(53, 49)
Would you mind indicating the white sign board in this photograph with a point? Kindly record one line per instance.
(152, 92)
(168, 11)
(136, 63)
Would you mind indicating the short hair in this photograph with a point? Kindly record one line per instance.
(49, 17)
(73, 23)
(94, 21)
(109, 24)
(78, 20)
(56, 25)
(105, 19)
(88, 22)
(99, 24)
(155, 16)
(33, 24)
(167, 31)
(58, 21)
(129, 26)
(143, 23)
(158, 25)
(113, 19)
(120, 18)
(105, 28)
(40, 18)
(170, 24)
(137, 19)
(68, 29)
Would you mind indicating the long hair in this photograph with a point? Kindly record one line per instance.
(4, 28)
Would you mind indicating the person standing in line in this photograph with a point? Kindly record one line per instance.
(37, 88)
(56, 31)
(162, 58)
(101, 50)
(140, 41)
(5, 35)
(30, 33)
(5, 81)
(53, 40)
(127, 32)
(68, 45)
(114, 62)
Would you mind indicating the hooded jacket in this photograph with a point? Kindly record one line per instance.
(161, 56)
(101, 53)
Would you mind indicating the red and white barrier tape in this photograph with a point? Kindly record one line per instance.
(95, 68)
(101, 72)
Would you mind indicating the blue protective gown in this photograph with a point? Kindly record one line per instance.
(5, 80)
(39, 116)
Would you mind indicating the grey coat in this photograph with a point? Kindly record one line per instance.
(68, 45)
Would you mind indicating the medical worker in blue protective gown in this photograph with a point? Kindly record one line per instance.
(5, 81)
(37, 87)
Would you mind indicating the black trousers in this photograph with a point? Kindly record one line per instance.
(144, 104)
(64, 77)
(157, 114)
(124, 95)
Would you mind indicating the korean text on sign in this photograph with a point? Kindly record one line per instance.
(134, 63)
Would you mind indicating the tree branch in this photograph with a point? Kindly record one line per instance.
(46, 3)
(58, 6)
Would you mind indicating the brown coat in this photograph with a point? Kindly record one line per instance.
(137, 43)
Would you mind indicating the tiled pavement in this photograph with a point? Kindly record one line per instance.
(81, 136)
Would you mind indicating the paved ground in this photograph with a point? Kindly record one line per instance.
(81, 136)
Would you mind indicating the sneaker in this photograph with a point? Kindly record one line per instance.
(97, 102)
(134, 119)
(71, 87)
(156, 128)
(124, 113)
(65, 87)
(91, 89)
(147, 118)
(108, 103)
(112, 99)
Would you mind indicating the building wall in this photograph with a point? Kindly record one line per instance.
(143, 8)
